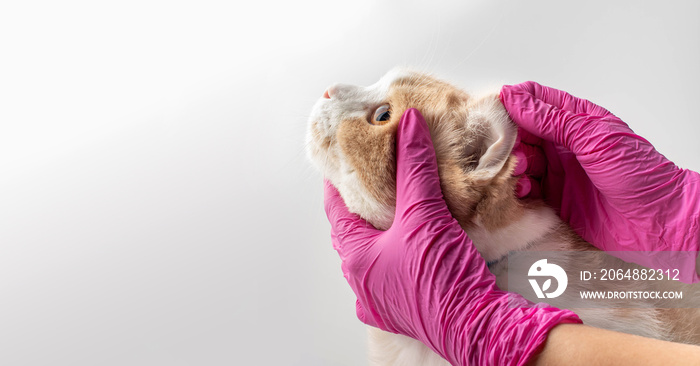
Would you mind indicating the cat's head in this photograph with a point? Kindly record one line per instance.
(351, 136)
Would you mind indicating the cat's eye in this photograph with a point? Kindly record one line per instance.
(381, 115)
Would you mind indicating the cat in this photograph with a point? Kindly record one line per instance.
(350, 138)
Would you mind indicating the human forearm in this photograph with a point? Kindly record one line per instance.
(578, 344)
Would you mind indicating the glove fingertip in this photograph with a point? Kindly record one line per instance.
(522, 162)
(415, 153)
(413, 134)
(529, 87)
(523, 187)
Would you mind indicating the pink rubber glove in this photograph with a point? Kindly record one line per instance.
(611, 185)
(423, 277)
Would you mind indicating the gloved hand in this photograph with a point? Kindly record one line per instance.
(423, 277)
(611, 185)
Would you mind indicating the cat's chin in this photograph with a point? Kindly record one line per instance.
(358, 201)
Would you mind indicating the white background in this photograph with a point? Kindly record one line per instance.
(156, 204)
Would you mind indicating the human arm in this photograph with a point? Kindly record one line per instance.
(423, 278)
(579, 344)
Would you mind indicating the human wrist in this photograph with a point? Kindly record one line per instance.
(501, 329)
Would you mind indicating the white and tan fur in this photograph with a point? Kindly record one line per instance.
(473, 139)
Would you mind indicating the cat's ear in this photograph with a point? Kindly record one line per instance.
(494, 138)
